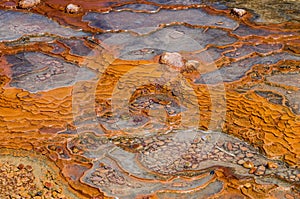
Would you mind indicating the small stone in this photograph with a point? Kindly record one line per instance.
(229, 146)
(75, 150)
(72, 8)
(252, 170)
(194, 166)
(272, 165)
(28, 3)
(162, 138)
(247, 185)
(292, 177)
(186, 156)
(59, 190)
(240, 156)
(44, 152)
(137, 147)
(172, 59)
(244, 148)
(260, 170)
(248, 165)
(54, 194)
(249, 155)
(288, 196)
(241, 162)
(48, 185)
(238, 12)
(160, 143)
(28, 168)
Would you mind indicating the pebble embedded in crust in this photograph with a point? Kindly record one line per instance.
(28, 3)
(248, 165)
(272, 165)
(172, 59)
(72, 8)
(238, 12)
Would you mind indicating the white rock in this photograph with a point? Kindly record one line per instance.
(28, 3)
(238, 12)
(172, 59)
(192, 63)
(72, 8)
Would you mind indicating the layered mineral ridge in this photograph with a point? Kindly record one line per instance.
(149, 99)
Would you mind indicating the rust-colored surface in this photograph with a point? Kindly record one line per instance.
(87, 94)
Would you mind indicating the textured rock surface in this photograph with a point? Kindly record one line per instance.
(91, 106)
(39, 72)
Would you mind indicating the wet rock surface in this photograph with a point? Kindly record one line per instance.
(23, 178)
(113, 21)
(17, 24)
(39, 72)
(152, 99)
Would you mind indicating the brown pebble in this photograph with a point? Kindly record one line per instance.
(260, 170)
(288, 196)
(21, 166)
(244, 148)
(241, 155)
(240, 162)
(248, 165)
(28, 168)
(48, 185)
(249, 155)
(252, 170)
(229, 146)
(272, 165)
(194, 166)
(160, 143)
(247, 185)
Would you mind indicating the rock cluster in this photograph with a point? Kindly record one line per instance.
(19, 182)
